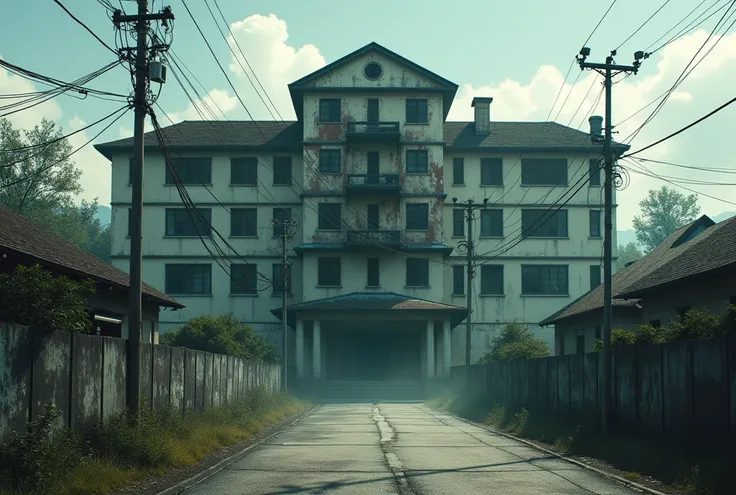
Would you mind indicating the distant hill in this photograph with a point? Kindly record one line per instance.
(623, 237)
(104, 213)
(723, 216)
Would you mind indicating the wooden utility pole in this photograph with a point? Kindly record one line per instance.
(286, 227)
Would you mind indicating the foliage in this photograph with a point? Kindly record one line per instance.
(515, 342)
(648, 335)
(626, 254)
(222, 335)
(663, 211)
(697, 324)
(33, 296)
(619, 338)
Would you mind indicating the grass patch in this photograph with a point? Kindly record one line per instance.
(46, 461)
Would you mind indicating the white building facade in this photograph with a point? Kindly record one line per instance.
(369, 171)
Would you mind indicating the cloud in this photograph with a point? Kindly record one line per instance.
(707, 145)
(26, 119)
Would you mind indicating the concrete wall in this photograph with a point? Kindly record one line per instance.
(85, 376)
(684, 390)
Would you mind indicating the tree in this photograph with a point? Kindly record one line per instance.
(663, 211)
(35, 297)
(626, 254)
(222, 335)
(515, 342)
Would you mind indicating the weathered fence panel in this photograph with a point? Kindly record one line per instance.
(51, 375)
(678, 389)
(190, 379)
(147, 374)
(590, 383)
(114, 354)
(651, 413)
(86, 407)
(710, 389)
(731, 345)
(563, 384)
(161, 376)
(576, 384)
(15, 375)
(625, 379)
(176, 378)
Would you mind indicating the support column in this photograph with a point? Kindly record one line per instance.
(299, 348)
(430, 349)
(316, 349)
(446, 349)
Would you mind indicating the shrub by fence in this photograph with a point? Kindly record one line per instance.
(684, 389)
(85, 376)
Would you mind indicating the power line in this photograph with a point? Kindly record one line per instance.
(692, 167)
(85, 27)
(642, 25)
(599, 22)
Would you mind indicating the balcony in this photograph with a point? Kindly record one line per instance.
(372, 132)
(367, 238)
(373, 184)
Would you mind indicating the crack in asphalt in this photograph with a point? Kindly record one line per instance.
(388, 437)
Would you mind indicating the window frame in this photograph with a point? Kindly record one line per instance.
(277, 229)
(538, 164)
(277, 276)
(535, 226)
(491, 212)
(180, 164)
(206, 212)
(525, 291)
(415, 166)
(420, 115)
(425, 226)
(458, 269)
(251, 210)
(599, 275)
(283, 161)
(329, 224)
(488, 165)
(594, 173)
(458, 164)
(413, 264)
(329, 113)
(327, 161)
(250, 166)
(591, 223)
(458, 220)
(486, 273)
(322, 271)
(373, 265)
(578, 348)
(206, 284)
(252, 271)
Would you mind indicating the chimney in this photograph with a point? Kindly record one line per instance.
(596, 128)
(482, 107)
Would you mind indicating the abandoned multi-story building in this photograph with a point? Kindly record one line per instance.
(370, 170)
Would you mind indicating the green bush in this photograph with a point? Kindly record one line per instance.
(619, 338)
(515, 342)
(697, 324)
(728, 320)
(222, 335)
(33, 296)
(647, 335)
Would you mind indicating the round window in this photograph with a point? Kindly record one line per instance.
(373, 71)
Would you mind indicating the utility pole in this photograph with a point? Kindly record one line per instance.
(136, 249)
(608, 70)
(286, 232)
(469, 207)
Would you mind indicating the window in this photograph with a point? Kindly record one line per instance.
(417, 161)
(544, 172)
(244, 171)
(458, 280)
(544, 279)
(243, 279)
(329, 110)
(328, 272)
(417, 272)
(189, 279)
(282, 171)
(280, 215)
(682, 311)
(491, 223)
(595, 276)
(372, 268)
(491, 172)
(595, 223)
(277, 281)
(561, 344)
(416, 111)
(244, 222)
(458, 222)
(458, 171)
(491, 279)
(417, 216)
(329, 161)
(191, 171)
(180, 222)
(580, 344)
(330, 215)
(543, 223)
(598, 332)
(594, 172)
(656, 323)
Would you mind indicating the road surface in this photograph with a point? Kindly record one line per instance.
(398, 449)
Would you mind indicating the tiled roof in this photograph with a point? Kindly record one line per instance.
(19, 234)
(198, 135)
(665, 263)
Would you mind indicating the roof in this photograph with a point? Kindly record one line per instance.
(371, 302)
(200, 136)
(655, 266)
(296, 87)
(232, 135)
(19, 234)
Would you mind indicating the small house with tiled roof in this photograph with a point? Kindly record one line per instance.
(22, 242)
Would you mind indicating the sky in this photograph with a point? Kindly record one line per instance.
(517, 52)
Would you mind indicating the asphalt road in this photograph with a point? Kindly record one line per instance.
(398, 449)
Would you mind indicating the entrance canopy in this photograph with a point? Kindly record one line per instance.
(383, 304)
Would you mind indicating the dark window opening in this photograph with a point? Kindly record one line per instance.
(243, 279)
(656, 323)
(458, 171)
(491, 279)
(243, 222)
(580, 344)
(191, 171)
(598, 334)
(544, 223)
(195, 279)
(372, 268)
(372, 214)
(181, 222)
(544, 279)
(458, 222)
(491, 223)
(277, 280)
(282, 171)
(682, 311)
(329, 216)
(594, 172)
(417, 272)
(458, 279)
(244, 171)
(328, 272)
(417, 216)
(417, 161)
(595, 276)
(329, 161)
(491, 172)
(544, 172)
(280, 215)
(329, 110)
(416, 111)
(595, 223)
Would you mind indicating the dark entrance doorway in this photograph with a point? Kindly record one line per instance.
(373, 110)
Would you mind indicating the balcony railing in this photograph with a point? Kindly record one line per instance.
(373, 131)
(373, 183)
(374, 238)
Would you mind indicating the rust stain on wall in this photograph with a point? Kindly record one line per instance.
(436, 172)
(329, 132)
(435, 222)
